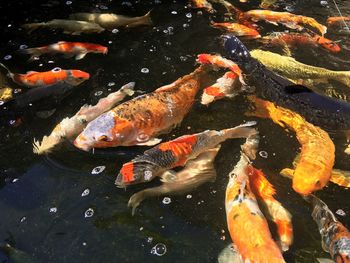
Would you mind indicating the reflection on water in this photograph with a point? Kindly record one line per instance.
(55, 209)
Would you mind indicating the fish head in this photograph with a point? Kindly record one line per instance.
(76, 77)
(210, 94)
(106, 131)
(305, 183)
(327, 44)
(137, 171)
(236, 51)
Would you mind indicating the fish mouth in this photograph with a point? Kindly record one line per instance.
(80, 145)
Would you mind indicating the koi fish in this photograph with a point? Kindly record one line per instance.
(6, 94)
(196, 172)
(317, 156)
(226, 86)
(265, 192)
(111, 21)
(34, 79)
(287, 19)
(69, 49)
(337, 20)
(267, 3)
(202, 4)
(292, 69)
(335, 236)
(140, 120)
(247, 225)
(155, 161)
(238, 29)
(296, 39)
(69, 128)
(72, 27)
(315, 108)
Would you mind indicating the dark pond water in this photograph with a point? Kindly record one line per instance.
(193, 229)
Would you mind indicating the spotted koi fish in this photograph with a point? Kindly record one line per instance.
(247, 225)
(296, 39)
(335, 236)
(287, 19)
(226, 86)
(69, 49)
(202, 4)
(238, 29)
(140, 120)
(337, 20)
(314, 168)
(34, 79)
(154, 162)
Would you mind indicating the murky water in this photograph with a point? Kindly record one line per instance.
(43, 211)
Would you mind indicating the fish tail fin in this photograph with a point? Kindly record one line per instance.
(32, 26)
(33, 52)
(128, 88)
(340, 177)
(147, 18)
(241, 131)
(45, 146)
(143, 20)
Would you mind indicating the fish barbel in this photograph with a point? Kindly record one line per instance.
(323, 111)
(72, 27)
(111, 21)
(314, 168)
(140, 120)
(285, 18)
(335, 236)
(69, 49)
(69, 128)
(154, 162)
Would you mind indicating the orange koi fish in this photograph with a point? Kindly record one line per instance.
(335, 236)
(296, 39)
(337, 20)
(69, 128)
(238, 29)
(314, 168)
(202, 4)
(226, 86)
(247, 225)
(69, 49)
(34, 79)
(140, 120)
(287, 19)
(265, 192)
(154, 162)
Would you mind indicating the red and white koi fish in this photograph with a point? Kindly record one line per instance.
(69, 49)
(154, 162)
(202, 4)
(296, 39)
(247, 225)
(69, 128)
(335, 236)
(287, 19)
(238, 29)
(226, 86)
(34, 79)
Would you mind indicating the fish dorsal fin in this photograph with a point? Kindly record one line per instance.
(294, 89)
(31, 72)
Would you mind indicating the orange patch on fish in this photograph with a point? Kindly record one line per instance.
(214, 91)
(127, 171)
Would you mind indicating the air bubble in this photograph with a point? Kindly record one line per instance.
(323, 3)
(12, 122)
(115, 31)
(1, 102)
(189, 15)
(22, 219)
(103, 7)
(55, 70)
(15, 180)
(188, 196)
(89, 212)
(149, 239)
(98, 93)
(23, 46)
(51, 61)
(340, 212)
(183, 58)
(15, 91)
(185, 25)
(166, 200)
(98, 169)
(85, 192)
(145, 70)
(110, 42)
(173, 12)
(110, 84)
(53, 210)
(7, 57)
(159, 250)
(289, 8)
(69, 2)
(263, 154)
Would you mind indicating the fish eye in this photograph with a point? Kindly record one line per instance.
(318, 183)
(103, 138)
(55, 70)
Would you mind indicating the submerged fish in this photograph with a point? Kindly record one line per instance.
(69, 128)
(320, 110)
(6, 94)
(111, 21)
(337, 20)
(196, 172)
(202, 4)
(69, 49)
(72, 27)
(267, 3)
(229, 255)
(335, 236)
(317, 156)
(35, 79)
(237, 29)
(140, 120)
(297, 39)
(288, 19)
(226, 86)
(247, 225)
(154, 162)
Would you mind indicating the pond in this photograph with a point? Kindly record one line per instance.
(54, 209)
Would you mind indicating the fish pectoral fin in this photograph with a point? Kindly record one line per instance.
(294, 89)
(168, 176)
(144, 141)
(324, 260)
(80, 56)
(287, 172)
